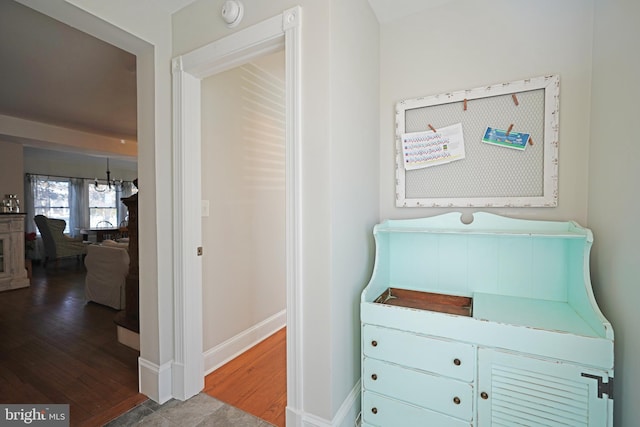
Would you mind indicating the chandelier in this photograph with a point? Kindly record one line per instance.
(111, 183)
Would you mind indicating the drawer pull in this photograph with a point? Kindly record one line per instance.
(457, 362)
(374, 343)
(456, 400)
(374, 410)
(484, 395)
(374, 377)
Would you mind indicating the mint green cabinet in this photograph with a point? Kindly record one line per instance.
(533, 348)
(520, 390)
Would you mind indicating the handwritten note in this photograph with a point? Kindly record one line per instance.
(428, 148)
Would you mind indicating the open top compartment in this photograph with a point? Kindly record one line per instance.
(443, 303)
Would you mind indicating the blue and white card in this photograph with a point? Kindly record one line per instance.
(517, 140)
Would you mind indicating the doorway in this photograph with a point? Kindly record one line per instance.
(244, 231)
(269, 36)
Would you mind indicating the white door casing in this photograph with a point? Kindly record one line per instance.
(271, 35)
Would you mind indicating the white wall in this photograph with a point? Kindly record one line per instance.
(340, 94)
(354, 176)
(243, 177)
(11, 171)
(56, 163)
(614, 202)
(466, 44)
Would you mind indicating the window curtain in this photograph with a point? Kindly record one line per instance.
(30, 193)
(78, 206)
(30, 188)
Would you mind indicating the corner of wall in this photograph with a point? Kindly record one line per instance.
(154, 380)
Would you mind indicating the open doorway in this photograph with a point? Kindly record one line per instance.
(269, 36)
(244, 233)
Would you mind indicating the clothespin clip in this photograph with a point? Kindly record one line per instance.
(465, 104)
(515, 99)
(432, 128)
(530, 141)
(510, 128)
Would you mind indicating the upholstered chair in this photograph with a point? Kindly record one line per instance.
(56, 243)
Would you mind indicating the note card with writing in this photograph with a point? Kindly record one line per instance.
(432, 148)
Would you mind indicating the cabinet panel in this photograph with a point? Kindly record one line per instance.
(515, 389)
(4, 255)
(381, 411)
(430, 391)
(449, 358)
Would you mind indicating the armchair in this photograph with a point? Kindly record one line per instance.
(56, 244)
(107, 267)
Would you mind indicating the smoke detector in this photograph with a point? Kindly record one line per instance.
(232, 12)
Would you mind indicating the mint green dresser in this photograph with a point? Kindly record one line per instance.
(491, 323)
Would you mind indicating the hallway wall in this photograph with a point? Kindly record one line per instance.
(243, 178)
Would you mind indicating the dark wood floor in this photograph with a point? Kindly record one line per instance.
(56, 348)
(255, 381)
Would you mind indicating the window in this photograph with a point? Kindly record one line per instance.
(77, 201)
(103, 211)
(51, 199)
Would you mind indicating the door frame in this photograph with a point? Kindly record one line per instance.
(271, 35)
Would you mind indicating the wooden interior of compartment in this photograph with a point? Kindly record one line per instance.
(442, 303)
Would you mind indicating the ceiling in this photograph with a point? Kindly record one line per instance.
(54, 74)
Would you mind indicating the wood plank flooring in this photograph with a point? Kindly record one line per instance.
(255, 381)
(56, 348)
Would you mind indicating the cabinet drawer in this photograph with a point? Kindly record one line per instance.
(430, 391)
(449, 358)
(381, 411)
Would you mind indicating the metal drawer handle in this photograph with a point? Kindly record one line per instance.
(456, 400)
(457, 362)
(484, 395)
(374, 410)
(374, 343)
(374, 377)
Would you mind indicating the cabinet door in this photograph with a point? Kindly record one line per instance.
(519, 390)
(4, 255)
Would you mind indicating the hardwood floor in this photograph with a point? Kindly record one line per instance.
(56, 348)
(255, 381)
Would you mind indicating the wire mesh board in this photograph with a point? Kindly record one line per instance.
(494, 169)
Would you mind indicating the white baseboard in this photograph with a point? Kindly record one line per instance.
(238, 344)
(154, 380)
(349, 410)
(345, 417)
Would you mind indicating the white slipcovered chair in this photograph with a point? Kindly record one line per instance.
(107, 266)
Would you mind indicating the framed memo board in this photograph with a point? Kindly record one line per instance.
(497, 167)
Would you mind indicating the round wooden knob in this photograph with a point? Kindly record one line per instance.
(374, 377)
(374, 410)
(484, 395)
(457, 362)
(374, 343)
(456, 400)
